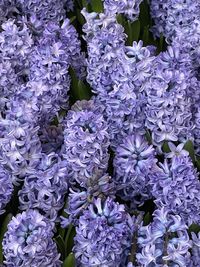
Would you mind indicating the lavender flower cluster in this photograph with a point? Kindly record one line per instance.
(119, 168)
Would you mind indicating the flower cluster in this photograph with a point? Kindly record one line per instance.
(6, 188)
(20, 148)
(172, 17)
(100, 166)
(79, 199)
(134, 164)
(45, 188)
(164, 242)
(168, 109)
(28, 241)
(195, 250)
(103, 234)
(130, 8)
(176, 186)
(116, 73)
(86, 145)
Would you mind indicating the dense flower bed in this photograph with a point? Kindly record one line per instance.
(99, 133)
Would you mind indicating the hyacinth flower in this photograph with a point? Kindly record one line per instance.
(119, 85)
(168, 110)
(164, 242)
(6, 188)
(52, 139)
(46, 187)
(20, 148)
(105, 44)
(172, 16)
(80, 198)
(129, 8)
(16, 44)
(196, 132)
(28, 241)
(38, 13)
(48, 79)
(195, 250)
(86, 142)
(103, 234)
(134, 163)
(176, 187)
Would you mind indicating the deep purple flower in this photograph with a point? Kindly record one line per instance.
(28, 242)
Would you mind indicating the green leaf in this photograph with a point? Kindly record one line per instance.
(68, 233)
(80, 17)
(144, 16)
(120, 19)
(148, 137)
(69, 240)
(194, 228)
(61, 246)
(79, 89)
(3, 229)
(147, 219)
(72, 19)
(133, 31)
(165, 147)
(97, 5)
(84, 3)
(84, 91)
(161, 42)
(69, 261)
(145, 36)
(61, 232)
(190, 148)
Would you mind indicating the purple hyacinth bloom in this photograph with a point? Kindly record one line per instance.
(20, 148)
(105, 44)
(42, 10)
(164, 242)
(195, 250)
(103, 234)
(46, 187)
(86, 145)
(16, 45)
(176, 187)
(80, 198)
(69, 5)
(117, 74)
(171, 16)
(129, 8)
(176, 150)
(52, 139)
(196, 130)
(168, 109)
(6, 188)
(28, 242)
(134, 162)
